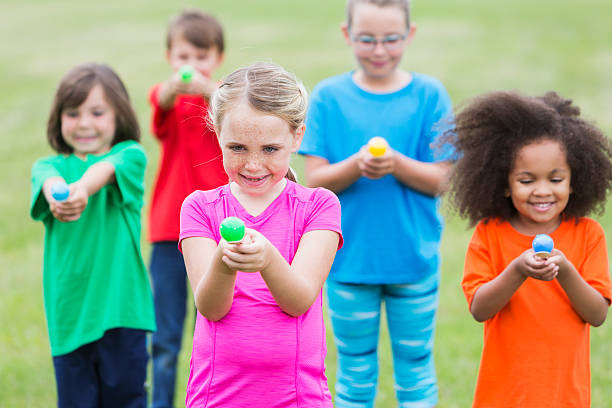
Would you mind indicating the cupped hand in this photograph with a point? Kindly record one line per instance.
(534, 267)
(251, 254)
(198, 85)
(375, 167)
(73, 207)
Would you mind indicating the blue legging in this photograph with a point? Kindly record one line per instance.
(355, 316)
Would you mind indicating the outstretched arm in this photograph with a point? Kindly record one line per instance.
(96, 177)
(294, 287)
(211, 281)
(174, 86)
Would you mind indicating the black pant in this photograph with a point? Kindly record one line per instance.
(109, 372)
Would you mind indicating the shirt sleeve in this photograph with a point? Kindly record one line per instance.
(596, 267)
(159, 118)
(194, 221)
(130, 161)
(313, 142)
(41, 171)
(325, 213)
(438, 121)
(478, 268)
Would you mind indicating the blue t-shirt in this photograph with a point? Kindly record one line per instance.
(391, 232)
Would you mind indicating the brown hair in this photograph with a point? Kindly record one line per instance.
(74, 89)
(404, 5)
(198, 28)
(489, 131)
(268, 88)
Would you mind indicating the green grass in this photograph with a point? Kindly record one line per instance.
(471, 46)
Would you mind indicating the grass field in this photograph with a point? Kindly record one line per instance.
(472, 46)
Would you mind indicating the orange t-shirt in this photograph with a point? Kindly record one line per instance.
(536, 348)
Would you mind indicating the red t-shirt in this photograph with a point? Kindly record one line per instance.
(190, 160)
(536, 348)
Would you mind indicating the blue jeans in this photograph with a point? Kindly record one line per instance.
(355, 315)
(107, 373)
(170, 295)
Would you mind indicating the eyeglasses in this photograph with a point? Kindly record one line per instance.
(391, 42)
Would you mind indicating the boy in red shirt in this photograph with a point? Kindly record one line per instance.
(190, 160)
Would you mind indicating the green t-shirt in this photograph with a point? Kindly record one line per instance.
(94, 278)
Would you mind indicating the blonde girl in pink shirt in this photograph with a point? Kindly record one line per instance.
(259, 339)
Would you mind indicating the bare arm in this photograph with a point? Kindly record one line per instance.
(590, 305)
(211, 281)
(296, 290)
(169, 90)
(427, 178)
(492, 296)
(336, 177)
(295, 286)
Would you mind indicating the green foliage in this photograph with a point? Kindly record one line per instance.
(471, 46)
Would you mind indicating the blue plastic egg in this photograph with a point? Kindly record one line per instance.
(60, 191)
(542, 243)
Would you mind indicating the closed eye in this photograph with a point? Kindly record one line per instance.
(392, 39)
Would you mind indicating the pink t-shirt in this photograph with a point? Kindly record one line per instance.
(257, 355)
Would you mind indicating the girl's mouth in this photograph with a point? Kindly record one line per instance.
(253, 180)
(542, 206)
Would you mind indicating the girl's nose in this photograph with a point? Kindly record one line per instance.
(84, 120)
(252, 163)
(542, 188)
(379, 48)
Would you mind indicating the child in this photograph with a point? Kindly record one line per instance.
(530, 166)
(260, 338)
(98, 300)
(389, 205)
(190, 160)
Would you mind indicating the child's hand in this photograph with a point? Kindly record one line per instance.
(249, 255)
(198, 85)
(73, 207)
(375, 167)
(201, 85)
(534, 267)
(558, 259)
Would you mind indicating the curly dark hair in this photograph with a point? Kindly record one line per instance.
(491, 128)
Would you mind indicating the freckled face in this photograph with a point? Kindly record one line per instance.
(256, 148)
(539, 186)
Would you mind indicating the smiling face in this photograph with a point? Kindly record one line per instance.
(539, 186)
(256, 148)
(203, 60)
(370, 20)
(90, 127)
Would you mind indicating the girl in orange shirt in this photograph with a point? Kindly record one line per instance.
(532, 165)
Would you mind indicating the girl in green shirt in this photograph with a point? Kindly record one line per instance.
(97, 296)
